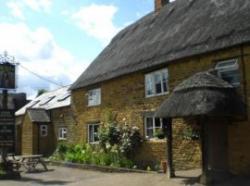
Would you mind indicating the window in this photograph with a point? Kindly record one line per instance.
(34, 103)
(153, 124)
(63, 97)
(62, 133)
(93, 133)
(46, 100)
(43, 130)
(156, 83)
(94, 97)
(229, 71)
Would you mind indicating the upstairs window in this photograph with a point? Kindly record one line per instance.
(93, 133)
(156, 83)
(94, 97)
(62, 133)
(229, 71)
(154, 125)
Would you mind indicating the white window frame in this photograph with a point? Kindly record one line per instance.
(62, 133)
(90, 140)
(94, 100)
(43, 130)
(152, 79)
(154, 128)
(222, 67)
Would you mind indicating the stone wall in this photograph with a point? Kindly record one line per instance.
(64, 117)
(27, 136)
(30, 141)
(126, 96)
(18, 136)
(239, 138)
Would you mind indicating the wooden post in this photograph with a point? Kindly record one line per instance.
(5, 106)
(170, 169)
(204, 175)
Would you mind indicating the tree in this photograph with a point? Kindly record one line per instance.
(40, 92)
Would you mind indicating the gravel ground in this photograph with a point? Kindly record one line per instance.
(76, 177)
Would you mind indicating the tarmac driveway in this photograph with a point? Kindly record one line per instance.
(76, 177)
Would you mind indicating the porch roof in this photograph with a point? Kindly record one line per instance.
(38, 115)
(203, 94)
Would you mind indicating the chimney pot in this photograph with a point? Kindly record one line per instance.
(159, 4)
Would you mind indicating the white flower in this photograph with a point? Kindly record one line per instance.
(108, 146)
(135, 128)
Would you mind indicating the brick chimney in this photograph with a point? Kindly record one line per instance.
(159, 4)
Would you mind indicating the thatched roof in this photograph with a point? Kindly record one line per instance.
(203, 94)
(181, 29)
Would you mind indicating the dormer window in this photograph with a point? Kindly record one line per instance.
(229, 71)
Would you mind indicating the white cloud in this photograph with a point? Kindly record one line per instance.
(38, 51)
(97, 21)
(65, 12)
(38, 5)
(15, 9)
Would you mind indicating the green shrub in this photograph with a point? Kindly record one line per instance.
(117, 145)
(87, 154)
(126, 138)
(2, 169)
(109, 134)
(62, 148)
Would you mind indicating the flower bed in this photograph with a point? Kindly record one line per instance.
(92, 155)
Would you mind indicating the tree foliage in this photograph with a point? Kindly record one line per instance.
(40, 92)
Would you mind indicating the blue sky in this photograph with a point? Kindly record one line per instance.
(59, 38)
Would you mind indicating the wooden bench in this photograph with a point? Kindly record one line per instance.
(29, 162)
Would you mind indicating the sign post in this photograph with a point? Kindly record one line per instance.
(7, 128)
(7, 116)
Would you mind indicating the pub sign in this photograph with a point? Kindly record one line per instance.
(7, 76)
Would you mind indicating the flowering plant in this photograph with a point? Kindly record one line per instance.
(125, 138)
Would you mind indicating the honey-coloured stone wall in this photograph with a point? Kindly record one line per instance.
(125, 96)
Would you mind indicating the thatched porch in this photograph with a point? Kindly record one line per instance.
(214, 103)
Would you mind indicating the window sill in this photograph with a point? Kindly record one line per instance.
(94, 105)
(62, 139)
(156, 140)
(94, 143)
(157, 95)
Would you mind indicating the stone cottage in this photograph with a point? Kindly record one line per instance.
(44, 122)
(143, 64)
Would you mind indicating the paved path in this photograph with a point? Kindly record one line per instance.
(76, 177)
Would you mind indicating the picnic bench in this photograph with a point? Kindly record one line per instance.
(29, 162)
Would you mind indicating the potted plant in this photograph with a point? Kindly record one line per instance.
(191, 134)
(159, 134)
